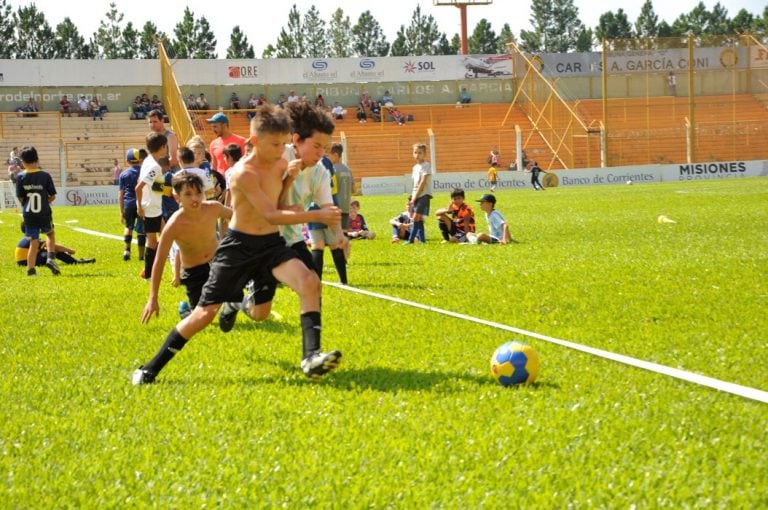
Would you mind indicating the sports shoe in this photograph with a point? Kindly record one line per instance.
(32, 272)
(184, 309)
(318, 364)
(85, 261)
(141, 376)
(227, 316)
(126, 255)
(53, 266)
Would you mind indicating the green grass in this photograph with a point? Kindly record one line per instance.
(413, 418)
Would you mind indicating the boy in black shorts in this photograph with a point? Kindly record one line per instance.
(193, 228)
(252, 249)
(35, 190)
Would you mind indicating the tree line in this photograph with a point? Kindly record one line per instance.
(555, 27)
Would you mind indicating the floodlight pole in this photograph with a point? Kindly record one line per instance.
(462, 5)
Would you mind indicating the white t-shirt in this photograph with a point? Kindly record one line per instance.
(419, 169)
(311, 185)
(152, 195)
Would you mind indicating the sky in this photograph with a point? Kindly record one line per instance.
(269, 17)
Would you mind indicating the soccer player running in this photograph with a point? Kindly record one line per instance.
(35, 190)
(193, 229)
(252, 248)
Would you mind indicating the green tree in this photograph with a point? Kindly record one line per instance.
(7, 30)
(313, 29)
(108, 36)
(505, 36)
(339, 35)
(445, 47)
(69, 43)
(269, 52)
(719, 23)
(34, 36)
(695, 22)
(647, 24)
(368, 38)
(422, 36)
(744, 21)
(616, 29)
(556, 27)
(205, 40)
(483, 39)
(399, 46)
(456, 43)
(148, 41)
(238, 45)
(290, 42)
(193, 38)
(585, 42)
(129, 42)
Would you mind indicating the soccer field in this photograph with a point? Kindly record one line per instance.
(412, 418)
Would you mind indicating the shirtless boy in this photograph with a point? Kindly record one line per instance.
(253, 249)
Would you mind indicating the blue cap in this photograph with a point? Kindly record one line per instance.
(219, 118)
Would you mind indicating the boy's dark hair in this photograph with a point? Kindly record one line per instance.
(156, 113)
(269, 119)
(156, 141)
(337, 148)
(142, 154)
(457, 192)
(186, 155)
(183, 178)
(233, 151)
(308, 119)
(29, 154)
(355, 203)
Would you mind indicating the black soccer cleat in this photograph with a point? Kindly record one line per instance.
(53, 266)
(141, 376)
(318, 364)
(227, 316)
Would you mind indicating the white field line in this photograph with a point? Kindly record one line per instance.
(735, 389)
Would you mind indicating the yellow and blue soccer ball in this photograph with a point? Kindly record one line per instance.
(515, 363)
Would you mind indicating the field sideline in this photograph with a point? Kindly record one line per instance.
(413, 418)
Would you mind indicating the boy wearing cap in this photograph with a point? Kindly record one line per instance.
(499, 231)
(224, 136)
(126, 197)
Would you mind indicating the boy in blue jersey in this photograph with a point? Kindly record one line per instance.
(129, 215)
(35, 191)
(499, 230)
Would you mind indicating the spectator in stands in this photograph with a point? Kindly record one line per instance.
(320, 101)
(358, 229)
(224, 136)
(28, 109)
(672, 83)
(386, 99)
(82, 107)
(65, 106)
(292, 97)
(281, 100)
(361, 116)
(202, 102)
(191, 103)
(96, 109)
(137, 109)
(397, 115)
(376, 111)
(234, 101)
(338, 111)
(365, 100)
(494, 158)
(464, 97)
(116, 171)
(156, 104)
(146, 103)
